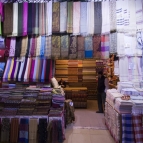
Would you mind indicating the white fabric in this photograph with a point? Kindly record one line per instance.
(116, 67)
(21, 69)
(26, 71)
(139, 14)
(106, 82)
(16, 69)
(120, 44)
(105, 18)
(63, 16)
(76, 18)
(15, 19)
(83, 17)
(54, 82)
(49, 5)
(90, 18)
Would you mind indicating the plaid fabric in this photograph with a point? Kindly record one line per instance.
(48, 44)
(127, 129)
(138, 128)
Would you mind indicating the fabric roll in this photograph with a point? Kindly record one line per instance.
(112, 14)
(76, 18)
(97, 46)
(12, 47)
(88, 47)
(56, 17)
(113, 43)
(56, 47)
(36, 22)
(105, 18)
(42, 130)
(32, 70)
(97, 17)
(127, 129)
(15, 19)
(90, 18)
(25, 18)
(38, 45)
(5, 128)
(70, 18)
(83, 17)
(41, 18)
(80, 45)
(42, 48)
(23, 130)
(105, 46)
(50, 3)
(10, 70)
(33, 127)
(63, 16)
(20, 19)
(43, 71)
(48, 45)
(18, 46)
(8, 19)
(24, 46)
(29, 23)
(64, 46)
(73, 47)
(14, 130)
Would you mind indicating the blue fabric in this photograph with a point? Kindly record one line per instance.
(2, 65)
(127, 129)
(42, 48)
(43, 71)
(88, 54)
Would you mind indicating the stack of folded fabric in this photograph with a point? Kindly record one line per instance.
(123, 106)
(137, 107)
(58, 100)
(25, 111)
(56, 112)
(9, 111)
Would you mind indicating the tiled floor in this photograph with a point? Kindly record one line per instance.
(88, 127)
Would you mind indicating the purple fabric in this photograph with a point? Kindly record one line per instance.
(13, 70)
(32, 69)
(1, 11)
(25, 17)
(33, 47)
(24, 69)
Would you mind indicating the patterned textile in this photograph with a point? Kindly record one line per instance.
(70, 17)
(140, 40)
(112, 10)
(88, 47)
(73, 47)
(23, 130)
(76, 18)
(56, 47)
(12, 47)
(42, 130)
(113, 43)
(83, 17)
(80, 45)
(5, 130)
(14, 130)
(64, 46)
(56, 17)
(8, 19)
(97, 46)
(97, 17)
(48, 44)
(104, 46)
(63, 16)
(138, 128)
(127, 129)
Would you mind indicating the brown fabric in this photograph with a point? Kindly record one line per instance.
(56, 17)
(24, 46)
(72, 71)
(8, 20)
(14, 130)
(80, 45)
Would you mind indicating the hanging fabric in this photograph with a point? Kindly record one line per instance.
(56, 47)
(63, 17)
(43, 74)
(35, 14)
(97, 17)
(64, 46)
(83, 17)
(81, 48)
(105, 18)
(24, 69)
(5, 75)
(48, 69)
(76, 18)
(112, 13)
(32, 69)
(88, 47)
(90, 18)
(42, 48)
(113, 43)
(18, 46)
(15, 19)
(13, 70)
(70, 18)
(34, 79)
(73, 47)
(25, 18)
(28, 47)
(12, 47)
(8, 19)
(48, 44)
(24, 46)
(20, 19)
(56, 17)
(33, 46)
(38, 45)
(16, 70)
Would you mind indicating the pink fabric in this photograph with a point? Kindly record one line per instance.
(25, 17)
(1, 11)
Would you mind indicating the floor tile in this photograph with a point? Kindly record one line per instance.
(99, 132)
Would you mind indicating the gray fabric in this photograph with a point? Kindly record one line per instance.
(113, 43)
